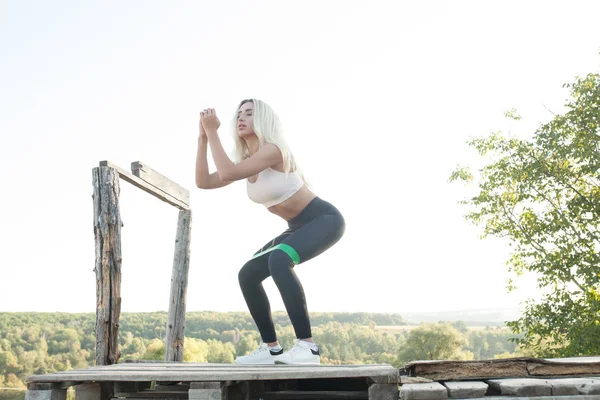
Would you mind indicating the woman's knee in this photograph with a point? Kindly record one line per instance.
(250, 274)
(245, 275)
(279, 261)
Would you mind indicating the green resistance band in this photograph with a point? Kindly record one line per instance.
(285, 248)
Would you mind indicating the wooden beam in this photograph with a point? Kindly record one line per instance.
(380, 391)
(317, 395)
(145, 186)
(89, 391)
(518, 367)
(107, 234)
(179, 281)
(160, 181)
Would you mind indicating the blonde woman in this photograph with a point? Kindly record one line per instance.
(273, 179)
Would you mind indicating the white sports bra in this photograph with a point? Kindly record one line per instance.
(273, 187)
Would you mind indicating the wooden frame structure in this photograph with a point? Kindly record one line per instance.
(174, 379)
(107, 233)
(206, 381)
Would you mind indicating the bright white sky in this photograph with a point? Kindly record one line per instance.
(377, 97)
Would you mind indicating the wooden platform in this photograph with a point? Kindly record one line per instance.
(205, 381)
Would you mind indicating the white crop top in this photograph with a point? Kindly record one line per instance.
(273, 187)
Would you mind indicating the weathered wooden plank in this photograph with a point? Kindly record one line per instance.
(178, 365)
(378, 375)
(376, 372)
(389, 374)
(563, 368)
(316, 395)
(154, 394)
(504, 368)
(148, 188)
(107, 233)
(207, 375)
(456, 370)
(160, 181)
(230, 373)
(179, 281)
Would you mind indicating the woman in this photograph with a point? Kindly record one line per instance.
(273, 180)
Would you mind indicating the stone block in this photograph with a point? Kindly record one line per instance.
(466, 390)
(524, 387)
(423, 391)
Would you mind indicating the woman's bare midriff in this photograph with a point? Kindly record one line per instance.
(292, 206)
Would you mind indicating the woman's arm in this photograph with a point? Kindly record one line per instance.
(265, 157)
(205, 180)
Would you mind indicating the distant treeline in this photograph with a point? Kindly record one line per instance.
(39, 343)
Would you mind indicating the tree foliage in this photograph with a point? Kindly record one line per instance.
(39, 343)
(543, 196)
(434, 342)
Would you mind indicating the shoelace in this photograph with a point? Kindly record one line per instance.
(296, 346)
(259, 350)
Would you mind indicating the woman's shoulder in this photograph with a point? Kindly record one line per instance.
(271, 146)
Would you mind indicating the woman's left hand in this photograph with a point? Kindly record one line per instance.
(209, 120)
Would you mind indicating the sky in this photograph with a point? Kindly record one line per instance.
(377, 98)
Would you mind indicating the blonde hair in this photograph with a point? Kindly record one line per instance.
(268, 129)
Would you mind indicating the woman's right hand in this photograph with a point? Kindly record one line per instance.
(202, 131)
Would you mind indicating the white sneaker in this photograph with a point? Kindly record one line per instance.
(301, 353)
(262, 355)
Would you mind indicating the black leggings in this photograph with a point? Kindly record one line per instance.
(318, 227)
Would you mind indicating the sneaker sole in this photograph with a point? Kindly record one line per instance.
(263, 363)
(296, 363)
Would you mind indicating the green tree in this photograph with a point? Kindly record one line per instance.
(195, 350)
(433, 342)
(219, 352)
(155, 350)
(489, 342)
(543, 196)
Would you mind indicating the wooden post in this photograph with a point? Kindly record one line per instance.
(383, 391)
(179, 280)
(90, 391)
(205, 391)
(107, 233)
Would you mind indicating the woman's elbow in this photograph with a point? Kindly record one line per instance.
(226, 176)
(202, 184)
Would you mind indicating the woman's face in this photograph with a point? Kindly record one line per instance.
(245, 124)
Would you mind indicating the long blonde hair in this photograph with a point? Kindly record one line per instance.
(268, 129)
